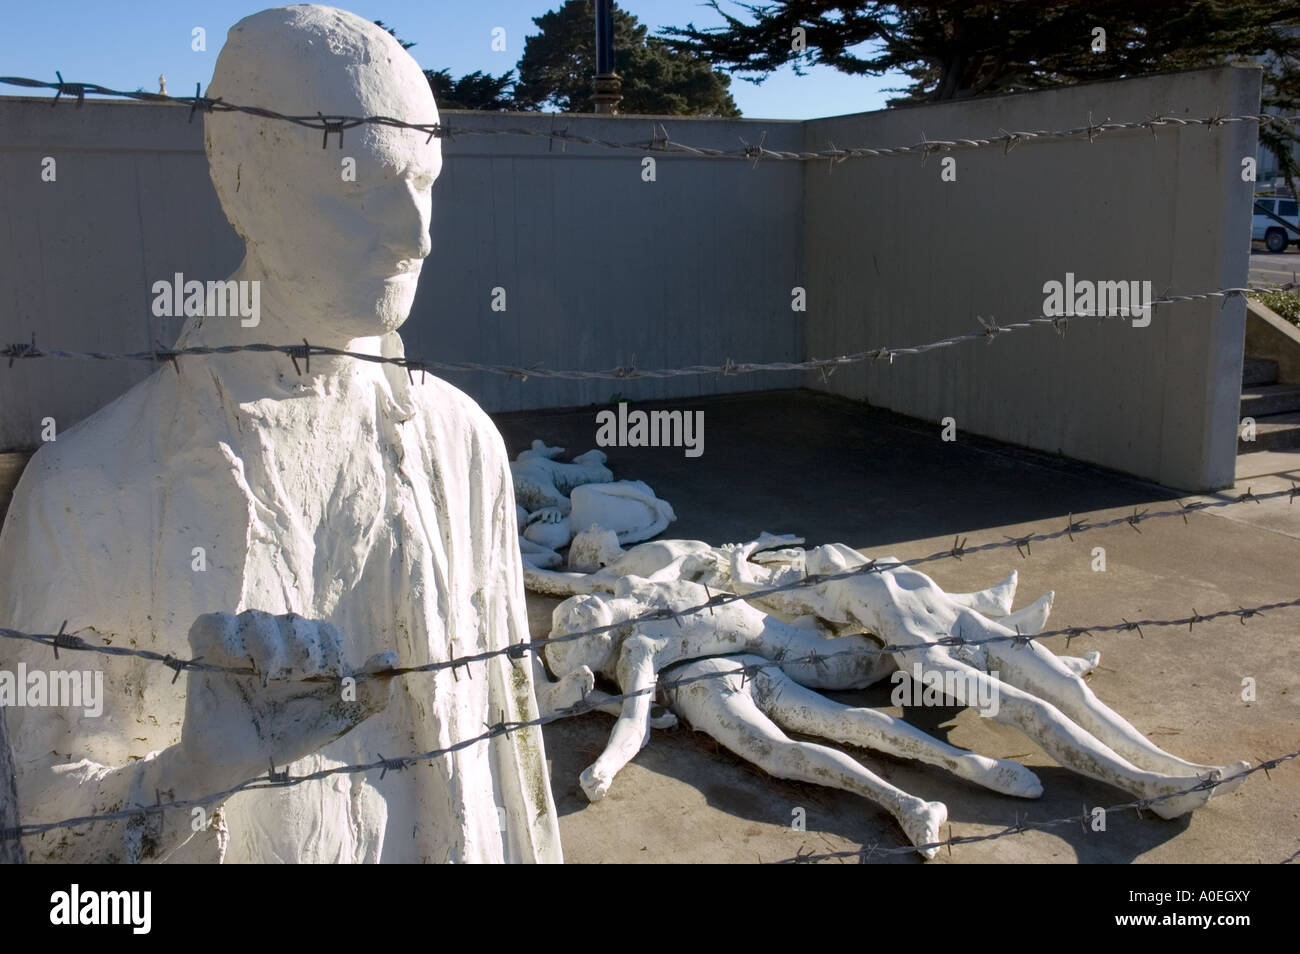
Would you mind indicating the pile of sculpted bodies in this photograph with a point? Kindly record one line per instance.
(747, 671)
(553, 497)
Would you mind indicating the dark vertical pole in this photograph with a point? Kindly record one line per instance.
(604, 37)
(607, 86)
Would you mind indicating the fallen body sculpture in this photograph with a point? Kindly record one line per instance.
(554, 497)
(542, 482)
(745, 674)
(628, 507)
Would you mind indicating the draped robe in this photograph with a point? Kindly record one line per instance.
(348, 494)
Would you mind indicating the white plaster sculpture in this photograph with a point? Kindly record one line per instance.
(358, 513)
(538, 556)
(541, 481)
(814, 638)
(597, 562)
(555, 497)
(627, 507)
(548, 528)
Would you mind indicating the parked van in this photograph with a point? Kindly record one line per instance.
(1270, 231)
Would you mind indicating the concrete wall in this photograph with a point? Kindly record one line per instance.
(895, 256)
(132, 204)
(600, 268)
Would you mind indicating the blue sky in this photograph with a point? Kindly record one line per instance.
(126, 45)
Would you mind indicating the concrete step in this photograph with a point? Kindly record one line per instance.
(1266, 399)
(1257, 371)
(1273, 432)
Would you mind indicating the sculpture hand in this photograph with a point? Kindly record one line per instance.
(547, 515)
(236, 726)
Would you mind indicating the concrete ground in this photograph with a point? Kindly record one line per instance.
(835, 471)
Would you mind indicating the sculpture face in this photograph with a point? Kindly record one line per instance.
(339, 254)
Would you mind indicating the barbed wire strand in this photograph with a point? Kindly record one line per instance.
(283, 779)
(518, 650)
(959, 549)
(989, 329)
(1022, 825)
(275, 779)
(659, 141)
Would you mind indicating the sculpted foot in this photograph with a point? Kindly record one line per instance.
(1181, 804)
(595, 784)
(1227, 771)
(922, 821)
(662, 719)
(1030, 620)
(1081, 665)
(1009, 778)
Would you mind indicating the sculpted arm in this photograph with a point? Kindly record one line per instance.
(235, 727)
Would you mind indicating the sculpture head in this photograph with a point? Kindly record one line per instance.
(596, 651)
(339, 259)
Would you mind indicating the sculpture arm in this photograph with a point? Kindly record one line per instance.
(72, 790)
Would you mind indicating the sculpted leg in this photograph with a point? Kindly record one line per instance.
(801, 710)
(636, 674)
(813, 658)
(1042, 697)
(1070, 744)
(1036, 670)
(538, 579)
(725, 710)
(660, 718)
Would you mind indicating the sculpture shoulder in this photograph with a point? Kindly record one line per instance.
(94, 456)
(109, 467)
(69, 508)
(452, 412)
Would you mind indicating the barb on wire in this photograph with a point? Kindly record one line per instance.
(327, 124)
(957, 551)
(1024, 824)
(988, 331)
(284, 779)
(518, 650)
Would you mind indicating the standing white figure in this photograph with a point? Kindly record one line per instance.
(377, 510)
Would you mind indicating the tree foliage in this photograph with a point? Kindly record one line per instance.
(558, 63)
(477, 90)
(393, 33)
(954, 49)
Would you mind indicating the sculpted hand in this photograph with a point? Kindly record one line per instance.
(236, 726)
